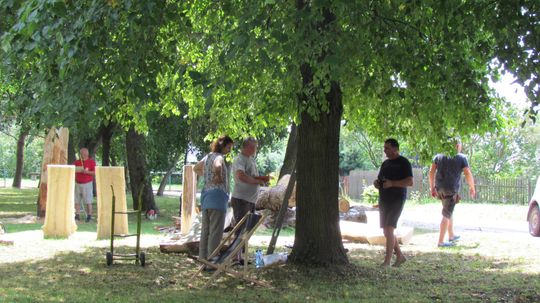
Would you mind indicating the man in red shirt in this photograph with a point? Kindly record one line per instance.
(84, 175)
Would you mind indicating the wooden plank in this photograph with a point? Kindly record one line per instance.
(107, 176)
(59, 218)
(372, 234)
(54, 152)
(189, 195)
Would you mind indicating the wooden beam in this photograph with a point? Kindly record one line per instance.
(189, 195)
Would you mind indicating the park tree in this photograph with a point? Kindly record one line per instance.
(91, 58)
(511, 151)
(17, 115)
(418, 71)
(167, 143)
(15, 100)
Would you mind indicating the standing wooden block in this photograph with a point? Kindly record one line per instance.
(189, 195)
(54, 152)
(60, 215)
(105, 177)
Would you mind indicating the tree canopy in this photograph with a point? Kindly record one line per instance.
(414, 70)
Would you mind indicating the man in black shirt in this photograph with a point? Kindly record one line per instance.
(445, 182)
(395, 175)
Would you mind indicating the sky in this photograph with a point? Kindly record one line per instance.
(511, 92)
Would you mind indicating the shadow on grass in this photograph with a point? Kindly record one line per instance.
(425, 277)
(20, 201)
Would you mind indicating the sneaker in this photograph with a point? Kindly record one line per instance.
(88, 218)
(446, 244)
(454, 238)
(77, 217)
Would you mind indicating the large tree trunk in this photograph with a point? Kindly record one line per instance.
(290, 153)
(165, 178)
(139, 176)
(23, 133)
(72, 153)
(318, 237)
(106, 132)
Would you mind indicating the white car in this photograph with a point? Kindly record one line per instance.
(533, 216)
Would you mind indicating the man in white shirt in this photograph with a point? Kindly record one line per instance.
(246, 180)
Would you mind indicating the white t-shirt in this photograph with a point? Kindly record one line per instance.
(242, 190)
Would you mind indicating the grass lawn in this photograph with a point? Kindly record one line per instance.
(485, 267)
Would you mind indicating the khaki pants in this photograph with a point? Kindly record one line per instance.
(213, 222)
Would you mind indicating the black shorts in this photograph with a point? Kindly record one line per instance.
(449, 200)
(389, 212)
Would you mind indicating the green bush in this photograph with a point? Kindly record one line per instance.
(370, 195)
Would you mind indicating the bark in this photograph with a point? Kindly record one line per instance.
(139, 175)
(72, 153)
(165, 178)
(318, 236)
(55, 151)
(290, 153)
(106, 132)
(23, 133)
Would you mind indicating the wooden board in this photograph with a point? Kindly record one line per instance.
(60, 215)
(368, 233)
(107, 176)
(54, 152)
(189, 192)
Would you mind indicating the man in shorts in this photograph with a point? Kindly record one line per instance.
(445, 183)
(84, 176)
(395, 175)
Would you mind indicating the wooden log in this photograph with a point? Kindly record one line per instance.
(272, 197)
(187, 247)
(107, 176)
(368, 233)
(54, 152)
(344, 205)
(189, 195)
(59, 218)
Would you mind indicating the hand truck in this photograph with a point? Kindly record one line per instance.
(139, 256)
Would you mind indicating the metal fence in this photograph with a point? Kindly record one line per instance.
(491, 190)
(357, 180)
(500, 190)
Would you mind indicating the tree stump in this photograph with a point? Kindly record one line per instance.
(55, 151)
